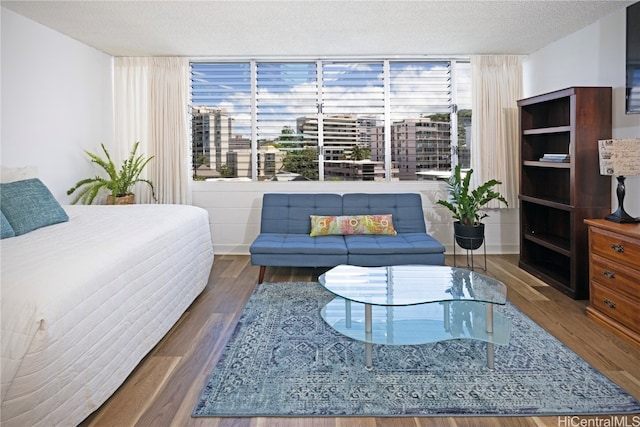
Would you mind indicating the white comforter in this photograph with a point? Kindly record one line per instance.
(84, 301)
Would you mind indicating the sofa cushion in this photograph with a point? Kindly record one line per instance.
(282, 243)
(325, 225)
(384, 259)
(29, 205)
(5, 228)
(290, 213)
(402, 243)
(367, 224)
(406, 209)
(351, 224)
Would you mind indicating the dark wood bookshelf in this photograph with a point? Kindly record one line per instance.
(556, 197)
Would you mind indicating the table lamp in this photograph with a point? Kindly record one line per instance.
(620, 158)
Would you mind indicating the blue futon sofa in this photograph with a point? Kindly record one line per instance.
(285, 227)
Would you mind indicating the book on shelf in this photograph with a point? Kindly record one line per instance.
(551, 157)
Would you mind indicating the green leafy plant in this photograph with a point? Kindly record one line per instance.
(467, 205)
(117, 183)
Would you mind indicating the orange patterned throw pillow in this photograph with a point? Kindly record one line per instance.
(352, 224)
(324, 225)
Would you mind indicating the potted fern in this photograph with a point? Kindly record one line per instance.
(117, 183)
(467, 207)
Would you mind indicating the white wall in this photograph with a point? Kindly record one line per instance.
(234, 211)
(593, 56)
(56, 102)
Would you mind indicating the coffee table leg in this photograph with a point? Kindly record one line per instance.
(347, 313)
(447, 317)
(367, 336)
(490, 348)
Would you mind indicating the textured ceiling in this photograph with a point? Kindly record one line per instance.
(315, 28)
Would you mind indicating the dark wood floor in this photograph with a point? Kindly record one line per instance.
(163, 390)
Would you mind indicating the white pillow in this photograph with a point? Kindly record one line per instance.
(17, 174)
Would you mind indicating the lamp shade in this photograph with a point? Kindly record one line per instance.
(619, 157)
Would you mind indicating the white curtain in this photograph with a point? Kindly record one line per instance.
(496, 87)
(151, 106)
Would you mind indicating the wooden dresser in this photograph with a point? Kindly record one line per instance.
(614, 272)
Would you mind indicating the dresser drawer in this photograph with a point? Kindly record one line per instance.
(615, 305)
(616, 247)
(616, 277)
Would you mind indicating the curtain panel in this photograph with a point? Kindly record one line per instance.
(496, 88)
(151, 106)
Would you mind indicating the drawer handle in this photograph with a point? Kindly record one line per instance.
(609, 274)
(609, 303)
(617, 248)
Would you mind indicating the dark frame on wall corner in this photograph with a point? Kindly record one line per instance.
(632, 89)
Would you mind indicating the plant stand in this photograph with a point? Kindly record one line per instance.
(470, 263)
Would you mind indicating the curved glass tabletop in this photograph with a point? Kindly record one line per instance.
(411, 284)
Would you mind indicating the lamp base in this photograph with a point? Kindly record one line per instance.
(621, 217)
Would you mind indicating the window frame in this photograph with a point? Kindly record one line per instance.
(387, 119)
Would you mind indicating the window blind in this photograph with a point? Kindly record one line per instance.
(286, 99)
(352, 111)
(221, 119)
(420, 107)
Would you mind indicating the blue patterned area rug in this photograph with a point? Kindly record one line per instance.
(284, 360)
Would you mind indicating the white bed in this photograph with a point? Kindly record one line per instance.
(84, 301)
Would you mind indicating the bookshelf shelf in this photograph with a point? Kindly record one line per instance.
(541, 164)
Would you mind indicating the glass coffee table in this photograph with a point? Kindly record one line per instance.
(415, 304)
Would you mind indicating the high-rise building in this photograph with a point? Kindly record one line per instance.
(341, 132)
(218, 153)
(417, 145)
(211, 132)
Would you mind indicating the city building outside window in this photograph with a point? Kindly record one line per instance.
(326, 120)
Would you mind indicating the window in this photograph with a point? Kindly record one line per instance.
(352, 109)
(462, 101)
(221, 120)
(330, 120)
(420, 107)
(286, 99)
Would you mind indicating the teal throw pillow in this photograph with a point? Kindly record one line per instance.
(5, 227)
(29, 205)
